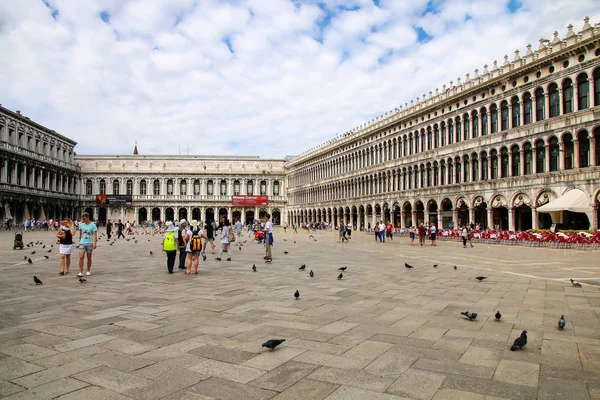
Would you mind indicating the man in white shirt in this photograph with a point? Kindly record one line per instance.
(238, 229)
(268, 230)
(382, 232)
(432, 233)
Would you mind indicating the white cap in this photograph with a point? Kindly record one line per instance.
(194, 223)
(183, 221)
(168, 223)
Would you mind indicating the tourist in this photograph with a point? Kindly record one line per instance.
(422, 234)
(342, 233)
(170, 246)
(464, 235)
(389, 230)
(181, 243)
(284, 227)
(120, 230)
(470, 235)
(88, 239)
(225, 245)
(65, 248)
(349, 229)
(432, 233)
(268, 230)
(238, 229)
(25, 224)
(209, 238)
(193, 246)
(381, 231)
(376, 230)
(295, 228)
(108, 229)
(411, 232)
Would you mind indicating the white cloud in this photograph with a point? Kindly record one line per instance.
(161, 72)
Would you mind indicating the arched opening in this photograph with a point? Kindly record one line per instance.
(540, 157)
(420, 211)
(540, 104)
(396, 216)
(432, 209)
(447, 216)
(222, 213)
(462, 212)
(494, 118)
(528, 155)
(102, 215)
(494, 161)
(377, 212)
(156, 214)
(249, 216)
(183, 187)
(504, 116)
(583, 92)
(554, 154)
(210, 187)
(237, 214)
(523, 217)
(210, 215)
(407, 211)
(223, 189)
(276, 217)
(236, 187)
(183, 213)
(387, 215)
(583, 141)
(504, 162)
(480, 211)
(262, 212)
(515, 156)
(527, 108)
(554, 100)
(567, 89)
(568, 149)
(597, 139)
(500, 215)
(196, 214)
(516, 112)
(88, 210)
(170, 186)
(169, 214)
(142, 215)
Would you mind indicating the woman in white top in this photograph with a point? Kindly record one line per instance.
(225, 241)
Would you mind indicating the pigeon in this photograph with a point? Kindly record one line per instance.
(340, 276)
(272, 343)
(82, 280)
(294, 242)
(37, 281)
(498, 315)
(435, 265)
(29, 261)
(33, 252)
(573, 281)
(297, 295)
(455, 267)
(520, 342)
(311, 273)
(148, 240)
(311, 236)
(46, 257)
(49, 251)
(44, 246)
(284, 239)
(285, 252)
(254, 267)
(470, 315)
(51, 245)
(25, 258)
(562, 322)
(480, 278)
(151, 253)
(407, 265)
(302, 267)
(342, 268)
(136, 241)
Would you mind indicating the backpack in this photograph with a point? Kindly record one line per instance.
(169, 242)
(180, 237)
(196, 244)
(231, 236)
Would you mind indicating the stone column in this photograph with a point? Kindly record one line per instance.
(593, 145)
(455, 217)
(490, 217)
(522, 162)
(402, 219)
(576, 153)
(547, 148)
(162, 213)
(440, 220)
(535, 224)
(561, 156)
(472, 214)
(415, 222)
(374, 216)
(511, 219)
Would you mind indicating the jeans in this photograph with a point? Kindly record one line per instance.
(171, 254)
(382, 236)
(182, 257)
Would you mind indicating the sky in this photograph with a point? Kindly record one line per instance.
(265, 78)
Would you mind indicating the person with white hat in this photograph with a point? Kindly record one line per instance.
(170, 245)
(181, 244)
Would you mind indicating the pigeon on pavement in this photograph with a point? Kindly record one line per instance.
(29, 261)
(455, 267)
(342, 268)
(302, 267)
(435, 265)
(254, 267)
(520, 342)
(285, 252)
(407, 265)
(311, 273)
(562, 322)
(297, 295)
(82, 280)
(151, 253)
(498, 315)
(37, 281)
(340, 276)
(470, 315)
(480, 278)
(33, 252)
(272, 343)
(573, 281)
(46, 257)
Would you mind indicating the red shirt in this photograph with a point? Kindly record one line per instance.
(389, 227)
(422, 230)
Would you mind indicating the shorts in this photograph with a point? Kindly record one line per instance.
(86, 248)
(65, 249)
(433, 236)
(204, 241)
(388, 234)
(412, 235)
(189, 252)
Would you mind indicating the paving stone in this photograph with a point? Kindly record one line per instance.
(270, 359)
(337, 327)
(232, 372)
(28, 352)
(453, 394)
(187, 395)
(93, 393)
(11, 368)
(329, 360)
(70, 356)
(174, 350)
(417, 384)
(120, 361)
(224, 389)
(317, 346)
(232, 356)
(161, 367)
(490, 388)
(85, 342)
(307, 389)
(128, 346)
(391, 364)
(368, 349)
(7, 388)
(358, 379)
(54, 373)
(167, 384)
(50, 390)
(517, 372)
(351, 393)
(452, 344)
(352, 338)
(137, 325)
(113, 379)
(481, 356)
(552, 388)
(284, 376)
(44, 340)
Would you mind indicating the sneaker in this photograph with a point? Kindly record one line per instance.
(88, 273)
(203, 257)
(218, 259)
(229, 259)
(80, 274)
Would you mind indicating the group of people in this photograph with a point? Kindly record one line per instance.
(192, 239)
(422, 232)
(88, 240)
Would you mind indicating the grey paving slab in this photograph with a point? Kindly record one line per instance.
(352, 393)
(50, 390)
(380, 329)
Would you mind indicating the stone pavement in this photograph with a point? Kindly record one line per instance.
(382, 332)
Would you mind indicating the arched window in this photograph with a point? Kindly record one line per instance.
(467, 127)
(196, 187)
(405, 146)
(443, 133)
(554, 153)
(567, 96)
(504, 116)
(457, 170)
(484, 122)
(436, 180)
(484, 166)
(528, 107)
(410, 178)
(458, 130)
(423, 148)
(450, 133)
(475, 163)
(428, 174)
(422, 176)
(540, 157)
(583, 92)
(554, 100)
(250, 188)
(170, 187)
(183, 187)
(210, 187)
(443, 172)
(540, 104)
(429, 138)
(494, 118)
(597, 139)
(568, 150)
(475, 119)
(223, 187)
(516, 161)
(116, 186)
(597, 91)
(102, 186)
(516, 112)
(129, 188)
(143, 188)
(494, 161)
(276, 188)
(583, 141)
(450, 172)
(263, 188)
(465, 168)
(436, 136)
(156, 187)
(504, 162)
(236, 187)
(88, 187)
(411, 146)
(528, 154)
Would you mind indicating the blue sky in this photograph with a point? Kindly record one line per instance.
(248, 77)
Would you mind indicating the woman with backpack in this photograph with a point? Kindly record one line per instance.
(170, 246)
(227, 237)
(193, 246)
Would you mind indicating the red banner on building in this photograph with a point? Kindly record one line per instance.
(250, 200)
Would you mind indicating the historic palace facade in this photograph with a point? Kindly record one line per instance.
(489, 149)
(175, 187)
(38, 176)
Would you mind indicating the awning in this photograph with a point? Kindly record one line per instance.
(575, 200)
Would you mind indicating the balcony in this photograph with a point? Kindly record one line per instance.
(29, 191)
(36, 156)
(184, 197)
